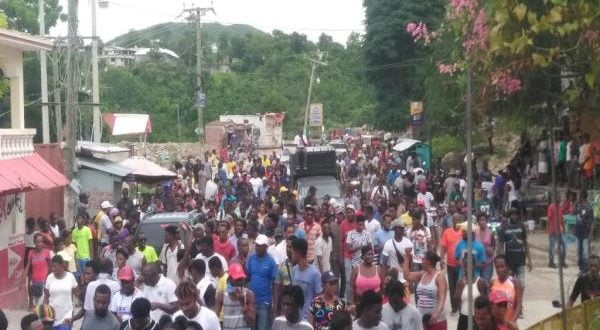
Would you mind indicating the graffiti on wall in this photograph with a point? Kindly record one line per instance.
(10, 204)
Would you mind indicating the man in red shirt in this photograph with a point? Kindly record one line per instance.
(555, 228)
(311, 229)
(347, 226)
(221, 243)
(450, 238)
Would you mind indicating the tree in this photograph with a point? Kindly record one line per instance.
(392, 57)
(23, 14)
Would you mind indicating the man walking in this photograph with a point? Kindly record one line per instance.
(262, 271)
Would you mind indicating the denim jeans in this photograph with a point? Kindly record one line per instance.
(553, 240)
(583, 252)
(81, 265)
(61, 327)
(263, 317)
(348, 271)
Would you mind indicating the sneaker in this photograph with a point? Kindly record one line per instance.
(552, 265)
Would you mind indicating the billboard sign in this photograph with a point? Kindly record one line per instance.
(315, 115)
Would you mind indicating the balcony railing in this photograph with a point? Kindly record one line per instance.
(16, 142)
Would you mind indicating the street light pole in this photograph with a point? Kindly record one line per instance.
(44, 76)
(314, 64)
(97, 123)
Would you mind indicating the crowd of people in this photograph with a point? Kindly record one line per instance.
(388, 255)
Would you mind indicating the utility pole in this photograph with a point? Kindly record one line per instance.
(44, 76)
(72, 107)
(314, 64)
(57, 99)
(469, 196)
(97, 124)
(196, 15)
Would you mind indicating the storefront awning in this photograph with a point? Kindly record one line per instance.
(28, 173)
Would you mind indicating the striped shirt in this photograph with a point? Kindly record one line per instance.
(312, 232)
(233, 313)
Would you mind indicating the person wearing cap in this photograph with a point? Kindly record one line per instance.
(499, 304)
(510, 286)
(325, 305)
(120, 304)
(103, 223)
(394, 249)
(58, 293)
(312, 230)
(262, 271)
(236, 302)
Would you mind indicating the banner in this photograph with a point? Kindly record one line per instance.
(315, 115)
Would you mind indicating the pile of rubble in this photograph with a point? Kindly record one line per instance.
(164, 153)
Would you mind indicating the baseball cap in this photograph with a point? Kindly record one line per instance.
(236, 271)
(118, 219)
(397, 223)
(261, 240)
(351, 206)
(420, 202)
(328, 276)
(497, 297)
(126, 274)
(283, 189)
(105, 205)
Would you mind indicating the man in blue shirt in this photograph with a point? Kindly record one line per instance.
(478, 252)
(383, 235)
(262, 270)
(305, 275)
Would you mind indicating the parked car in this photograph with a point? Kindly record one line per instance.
(153, 226)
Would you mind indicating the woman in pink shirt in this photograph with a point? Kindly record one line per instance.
(37, 270)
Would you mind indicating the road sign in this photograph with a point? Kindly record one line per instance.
(201, 100)
(315, 116)
(416, 108)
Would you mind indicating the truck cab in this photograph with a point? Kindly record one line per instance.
(315, 166)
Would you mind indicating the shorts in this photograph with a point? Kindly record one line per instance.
(519, 273)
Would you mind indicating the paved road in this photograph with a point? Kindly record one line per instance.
(542, 286)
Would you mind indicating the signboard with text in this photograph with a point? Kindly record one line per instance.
(416, 108)
(315, 115)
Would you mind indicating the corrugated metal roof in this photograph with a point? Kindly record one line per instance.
(105, 166)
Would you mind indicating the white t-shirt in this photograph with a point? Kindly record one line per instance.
(407, 318)
(202, 286)
(279, 252)
(205, 317)
(463, 188)
(210, 190)
(427, 198)
(61, 296)
(323, 249)
(168, 257)
(103, 278)
(419, 238)
(489, 187)
(120, 304)
(105, 226)
(380, 326)
(135, 261)
(207, 274)
(389, 254)
(373, 226)
(256, 184)
(163, 292)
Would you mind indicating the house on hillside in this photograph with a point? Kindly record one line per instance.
(122, 56)
(267, 129)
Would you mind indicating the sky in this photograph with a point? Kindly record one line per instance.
(337, 18)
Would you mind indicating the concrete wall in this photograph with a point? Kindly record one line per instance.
(99, 186)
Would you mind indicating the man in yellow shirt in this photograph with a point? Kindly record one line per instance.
(148, 251)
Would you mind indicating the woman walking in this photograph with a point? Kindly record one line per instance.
(37, 270)
(366, 275)
(58, 293)
(431, 290)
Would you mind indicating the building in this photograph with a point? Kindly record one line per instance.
(121, 56)
(118, 56)
(267, 129)
(21, 169)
